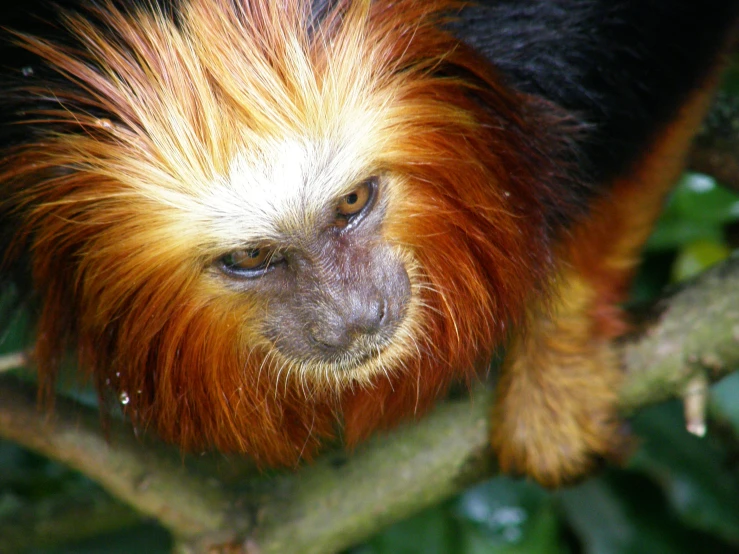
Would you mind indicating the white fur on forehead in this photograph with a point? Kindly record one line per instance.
(217, 144)
(282, 188)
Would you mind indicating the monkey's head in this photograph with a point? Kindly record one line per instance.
(248, 218)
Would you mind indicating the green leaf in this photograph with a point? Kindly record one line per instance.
(696, 257)
(724, 400)
(695, 474)
(698, 198)
(624, 512)
(508, 516)
(542, 535)
(430, 532)
(696, 210)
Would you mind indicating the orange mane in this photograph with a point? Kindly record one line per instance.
(125, 206)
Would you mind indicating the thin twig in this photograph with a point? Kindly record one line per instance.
(13, 360)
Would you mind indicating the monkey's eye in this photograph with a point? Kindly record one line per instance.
(250, 261)
(357, 200)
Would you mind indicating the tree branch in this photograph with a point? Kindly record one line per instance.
(13, 361)
(693, 331)
(146, 477)
(343, 498)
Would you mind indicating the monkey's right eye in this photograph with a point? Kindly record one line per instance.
(250, 261)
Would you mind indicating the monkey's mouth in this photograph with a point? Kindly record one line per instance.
(357, 362)
(359, 351)
(330, 342)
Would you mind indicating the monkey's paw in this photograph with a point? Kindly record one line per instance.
(555, 416)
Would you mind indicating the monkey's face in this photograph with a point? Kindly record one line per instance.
(334, 292)
(328, 293)
(249, 221)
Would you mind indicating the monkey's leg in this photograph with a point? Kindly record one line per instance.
(555, 410)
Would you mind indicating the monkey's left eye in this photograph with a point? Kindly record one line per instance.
(357, 200)
(250, 261)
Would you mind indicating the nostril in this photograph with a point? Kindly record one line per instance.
(313, 338)
(367, 318)
(374, 315)
(383, 312)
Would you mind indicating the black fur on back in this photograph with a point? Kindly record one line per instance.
(622, 67)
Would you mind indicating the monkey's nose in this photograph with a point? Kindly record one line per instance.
(338, 331)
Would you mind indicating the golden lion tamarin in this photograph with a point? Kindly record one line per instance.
(264, 222)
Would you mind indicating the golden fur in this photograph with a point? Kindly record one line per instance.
(171, 139)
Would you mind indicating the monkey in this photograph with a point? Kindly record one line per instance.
(261, 225)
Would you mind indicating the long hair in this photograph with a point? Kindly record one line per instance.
(125, 191)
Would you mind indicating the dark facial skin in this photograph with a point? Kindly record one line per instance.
(336, 293)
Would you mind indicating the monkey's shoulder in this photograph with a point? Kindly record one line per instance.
(623, 68)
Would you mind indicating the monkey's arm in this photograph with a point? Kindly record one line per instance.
(640, 87)
(566, 352)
